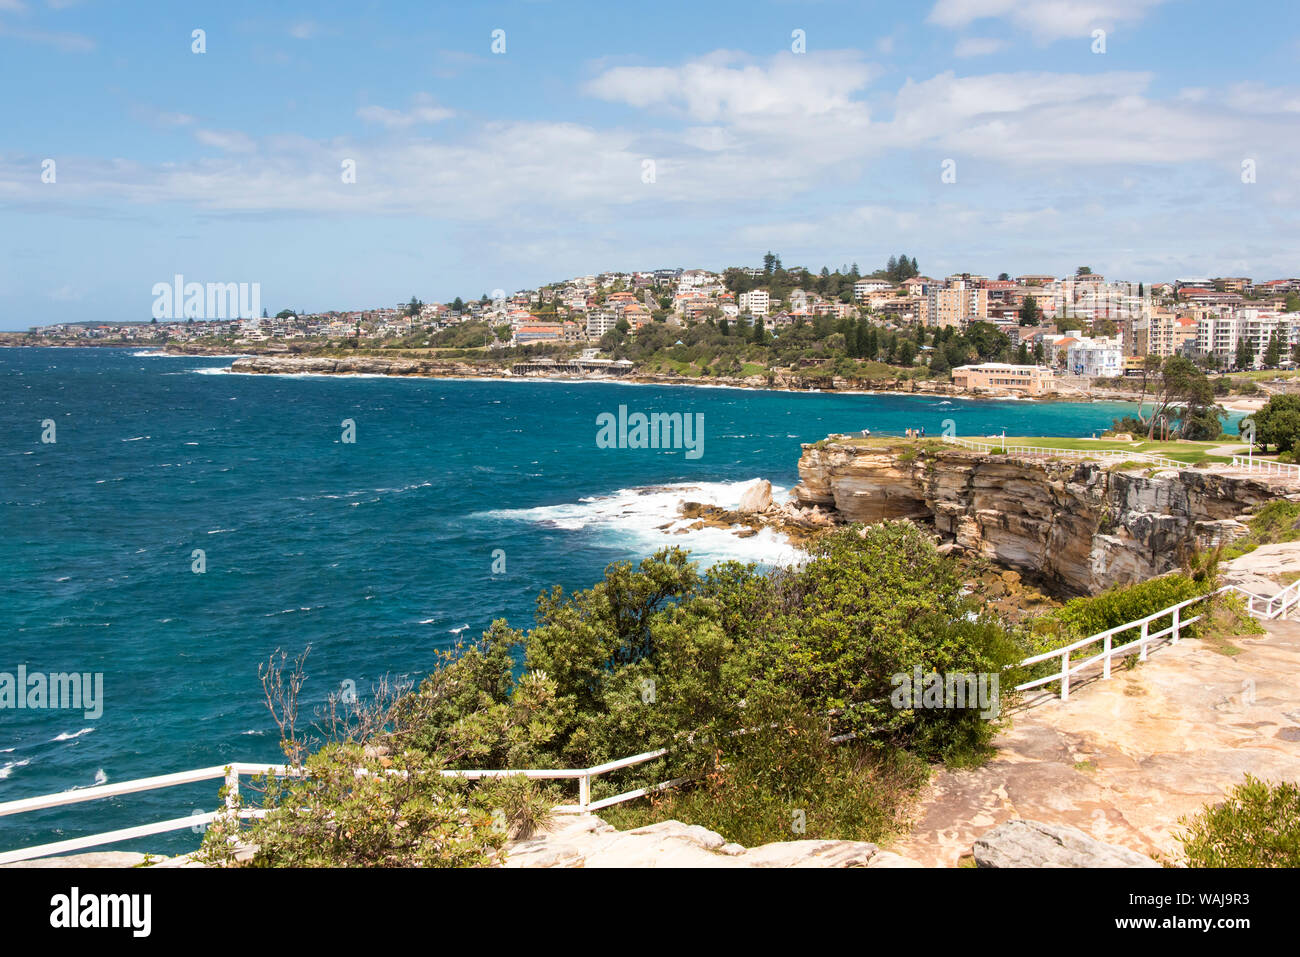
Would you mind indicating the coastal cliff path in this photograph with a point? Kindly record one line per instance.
(1124, 759)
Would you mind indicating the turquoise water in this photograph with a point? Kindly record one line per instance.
(377, 552)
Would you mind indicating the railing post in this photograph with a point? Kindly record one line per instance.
(584, 792)
(1174, 634)
(1146, 628)
(232, 789)
(1065, 676)
(1105, 662)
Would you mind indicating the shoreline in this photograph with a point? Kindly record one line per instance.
(462, 369)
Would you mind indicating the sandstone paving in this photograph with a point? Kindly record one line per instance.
(1124, 758)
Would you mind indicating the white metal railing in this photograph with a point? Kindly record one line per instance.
(1106, 455)
(1277, 607)
(232, 772)
(1280, 606)
(1267, 466)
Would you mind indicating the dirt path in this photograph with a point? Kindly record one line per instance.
(1124, 758)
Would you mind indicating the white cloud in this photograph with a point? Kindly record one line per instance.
(424, 109)
(304, 29)
(229, 141)
(978, 46)
(1045, 19)
(726, 85)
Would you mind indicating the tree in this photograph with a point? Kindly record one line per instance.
(1273, 353)
(1245, 358)
(1292, 302)
(1030, 314)
(1004, 276)
(1185, 394)
(1278, 423)
(1083, 271)
(458, 305)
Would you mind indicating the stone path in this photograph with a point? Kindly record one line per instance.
(1123, 759)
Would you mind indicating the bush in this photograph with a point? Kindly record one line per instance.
(1257, 826)
(745, 676)
(356, 808)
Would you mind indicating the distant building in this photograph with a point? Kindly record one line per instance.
(1001, 376)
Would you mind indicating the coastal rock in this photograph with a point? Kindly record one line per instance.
(1034, 844)
(357, 365)
(1079, 525)
(587, 841)
(756, 498)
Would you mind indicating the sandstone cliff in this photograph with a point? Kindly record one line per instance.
(1080, 525)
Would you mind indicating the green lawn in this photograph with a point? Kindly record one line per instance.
(1192, 453)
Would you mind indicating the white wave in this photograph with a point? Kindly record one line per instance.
(138, 438)
(642, 520)
(457, 631)
(211, 370)
(100, 778)
(8, 769)
(68, 737)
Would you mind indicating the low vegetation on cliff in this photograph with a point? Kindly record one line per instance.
(739, 673)
(775, 693)
(1257, 826)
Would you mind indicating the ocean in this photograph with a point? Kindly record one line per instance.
(457, 502)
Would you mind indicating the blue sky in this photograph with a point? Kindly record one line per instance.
(478, 170)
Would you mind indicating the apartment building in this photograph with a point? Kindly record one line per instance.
(756, 303)
(958, 303)
(1102, 357)
(865, 287)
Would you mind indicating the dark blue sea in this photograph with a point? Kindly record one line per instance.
(377, 553)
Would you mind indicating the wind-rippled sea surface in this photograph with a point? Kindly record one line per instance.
(377, 553)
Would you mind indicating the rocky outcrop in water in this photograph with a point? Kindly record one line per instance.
(1079, 525)
(357, 365)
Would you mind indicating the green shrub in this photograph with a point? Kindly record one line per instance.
(773, 692)
(356, 808)
(1257, 826)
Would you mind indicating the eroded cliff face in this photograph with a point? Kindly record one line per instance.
(1079, 525)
